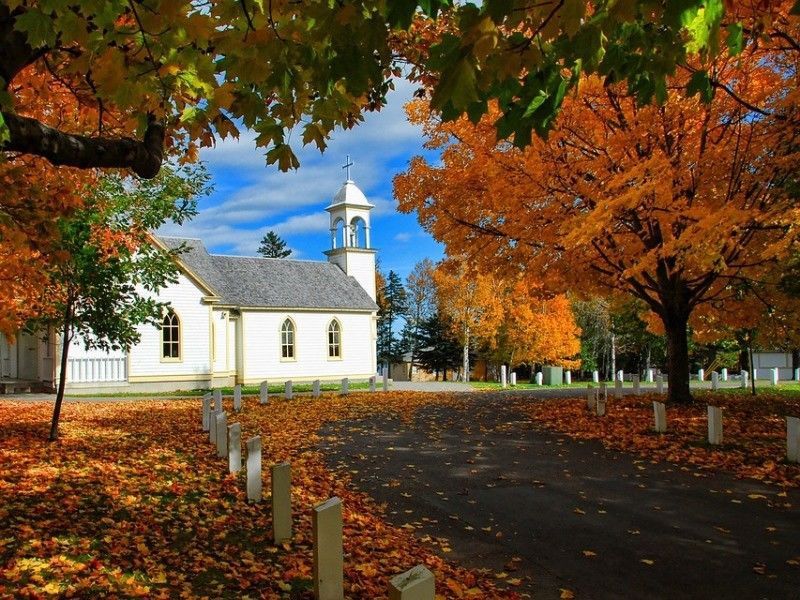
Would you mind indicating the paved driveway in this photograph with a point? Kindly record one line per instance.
(557, 514)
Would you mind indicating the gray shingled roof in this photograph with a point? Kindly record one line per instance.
(272, 282)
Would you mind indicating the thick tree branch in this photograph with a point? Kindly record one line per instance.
(144, 157)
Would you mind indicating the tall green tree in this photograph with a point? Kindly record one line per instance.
(392, 306)
(273, 246)
(439, 349)
(421, 293)
(107, 285)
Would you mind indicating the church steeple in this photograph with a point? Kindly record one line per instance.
(351, 246)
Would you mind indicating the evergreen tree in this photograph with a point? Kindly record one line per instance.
(392, 305)
(438, 349)
(273, 246)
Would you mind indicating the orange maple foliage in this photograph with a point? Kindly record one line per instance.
(132, 501)
(673, 204)
(754, 442)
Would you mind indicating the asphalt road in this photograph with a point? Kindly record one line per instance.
(558, 514)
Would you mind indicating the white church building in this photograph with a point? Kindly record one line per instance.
(237, 319)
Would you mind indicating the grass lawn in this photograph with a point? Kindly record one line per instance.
(132, 501)
(247, 390)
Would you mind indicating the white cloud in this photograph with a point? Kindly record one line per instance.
(403, 236)
(308, 223)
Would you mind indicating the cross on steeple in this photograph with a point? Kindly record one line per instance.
(347, 165)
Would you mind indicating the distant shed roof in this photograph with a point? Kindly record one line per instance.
(272, 282)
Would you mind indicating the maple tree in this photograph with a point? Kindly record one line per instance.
(673, 204)
(105, 288)
(470, 302)
(535, 329)
(168, 76)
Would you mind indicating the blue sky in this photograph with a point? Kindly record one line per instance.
(250, 198)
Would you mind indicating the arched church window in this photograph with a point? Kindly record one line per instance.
(334, 339)
(287, 339)
(339, 234)
(170, 336)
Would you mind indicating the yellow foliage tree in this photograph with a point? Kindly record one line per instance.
(674, 204)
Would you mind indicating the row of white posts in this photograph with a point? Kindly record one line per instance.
(326, 518)
(596, 399)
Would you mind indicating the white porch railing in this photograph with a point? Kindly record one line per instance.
(84, 370)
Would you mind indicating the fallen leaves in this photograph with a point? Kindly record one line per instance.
(132, 501)
(754, 432)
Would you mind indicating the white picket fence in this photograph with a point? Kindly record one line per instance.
(86, 370)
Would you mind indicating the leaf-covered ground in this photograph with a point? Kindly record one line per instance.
(132, 501)
(754, 431)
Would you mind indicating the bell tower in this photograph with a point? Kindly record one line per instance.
(351, 249)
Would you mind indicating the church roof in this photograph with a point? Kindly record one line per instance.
(272, 282)
(350, 194)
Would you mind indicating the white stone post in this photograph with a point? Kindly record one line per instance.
(345, 387)
(206, 411)
(714, 425)
(660, 411)
(513, 379)
(701, 375)
(254, 469)
(326, 523)
(237, 398)
(235, 447)
(315, 389)
(755, 374)
(222, 435)
(775, 376)
(212, 426)
(417, 583)
(797, 374)
(567, 377)
(618, 388)
(217, 400)
(503, 382)
(620, 375)
(724, 374)
(660, 383)
(595, 377)
(744, 379)
(539, 378)
(281, 502)
(714, 381)
(793, 439)
(386, 381)
(287, 390)
(600, 406)
(636, 388)
(650, 375)
(372, 384)
(263, 392)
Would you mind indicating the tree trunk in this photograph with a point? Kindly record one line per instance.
(795, 360)
(613, 357)
(466, 354)
(752, 368)
(675, 326)
(62, 376)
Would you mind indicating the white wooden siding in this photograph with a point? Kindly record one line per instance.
(186, 300)
(262, 356)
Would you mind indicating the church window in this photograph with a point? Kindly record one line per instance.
(287, 339)
(334, 340)
(171, 336)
